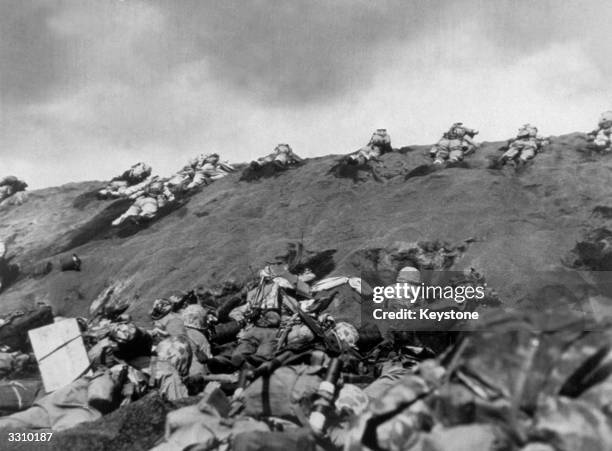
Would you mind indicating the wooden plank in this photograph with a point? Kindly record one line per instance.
(60, 353)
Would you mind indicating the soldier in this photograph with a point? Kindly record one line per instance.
(379, 144)
(148, 202)
(283, 156)
(208, 168)
(407, 278)
(601, 136)
(259, 339)
(271, 306)
(10, 185)
(168, 371)
(195, 318)
(119, 185)
(524, 147)
(200, 170)
(454, 145)
(381, 140)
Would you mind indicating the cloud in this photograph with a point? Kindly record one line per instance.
(294, 52)
(31, 55)
(280, 53)
(50, 49)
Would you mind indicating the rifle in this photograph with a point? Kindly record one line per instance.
(330, 342)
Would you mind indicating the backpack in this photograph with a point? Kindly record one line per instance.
(11, 180)
(286, 393)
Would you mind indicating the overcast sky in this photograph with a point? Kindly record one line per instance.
(88, 88)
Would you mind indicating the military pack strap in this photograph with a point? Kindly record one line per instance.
(14, 386)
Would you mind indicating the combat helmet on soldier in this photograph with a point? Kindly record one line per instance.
(605, 120)
(213, 158)
(347, 334)
(409, 274)
(458, 131)
(381, 139)
(527, 131)
(156, 188)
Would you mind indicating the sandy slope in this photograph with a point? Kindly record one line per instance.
(523, 225)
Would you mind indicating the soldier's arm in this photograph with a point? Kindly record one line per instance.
(136, 195)
(594, 132)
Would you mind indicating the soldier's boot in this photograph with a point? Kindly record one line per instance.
(520, 163)
(454, 161)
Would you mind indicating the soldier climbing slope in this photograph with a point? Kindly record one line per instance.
(198, 171)
(147, 202)
(131, 178)
(350, 165)
(282, 156)
(379, 144)
(524, 146)
(281, 159)
(455, 144)
(9, 186)
(601, 136)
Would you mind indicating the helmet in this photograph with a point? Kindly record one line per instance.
(527, 130)
(212, 157)
(282, 148)
(606, 116)
(409, 274)
(123, 333)
(299, 335)
(458, 130)
(380, 137)
(380, 132)
(177, 352)
(156, 187)
(347, 334)
(140, 169)
(522, 132)
(194, 316)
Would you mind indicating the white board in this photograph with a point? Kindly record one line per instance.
(60, 353)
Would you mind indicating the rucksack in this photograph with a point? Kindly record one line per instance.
(286, 393)
(11, 180)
